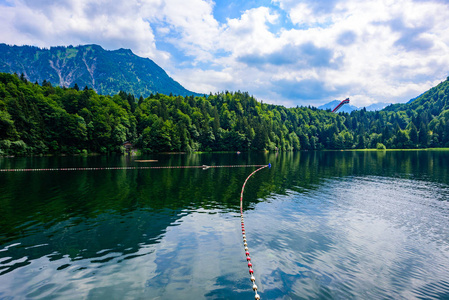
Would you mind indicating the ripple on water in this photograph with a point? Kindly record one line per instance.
(141, 235)
(371, 237)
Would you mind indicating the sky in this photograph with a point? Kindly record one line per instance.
(286, 52)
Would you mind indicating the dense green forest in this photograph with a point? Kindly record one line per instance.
(40, 119)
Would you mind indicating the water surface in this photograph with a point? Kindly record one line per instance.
(328, 225)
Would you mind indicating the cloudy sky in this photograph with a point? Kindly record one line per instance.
(289, 52)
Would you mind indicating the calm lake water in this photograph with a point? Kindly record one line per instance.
(320, 225)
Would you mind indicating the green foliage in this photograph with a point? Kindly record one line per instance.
(37, 119)
(43, 119)
(380, 146)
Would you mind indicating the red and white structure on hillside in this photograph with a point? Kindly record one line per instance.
(346, 101)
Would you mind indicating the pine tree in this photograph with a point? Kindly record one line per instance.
(413, 135)
(423, 137)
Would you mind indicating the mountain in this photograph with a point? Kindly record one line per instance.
(349, 108)
(377, 106)
(413, 99)
(107, 72)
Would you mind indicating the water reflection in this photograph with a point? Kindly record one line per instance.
(349, 241)
(320, 225)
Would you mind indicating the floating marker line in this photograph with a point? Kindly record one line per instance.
(248, 258)
(204, 167)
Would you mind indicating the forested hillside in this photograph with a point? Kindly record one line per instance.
(107, 72)
(427, 113)
(40, 119)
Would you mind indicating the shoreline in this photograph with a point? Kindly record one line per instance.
(227, 152)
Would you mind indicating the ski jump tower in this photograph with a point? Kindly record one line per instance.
(346, 101)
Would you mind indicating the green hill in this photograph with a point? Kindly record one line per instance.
(41, 119)
(107, 72)
(434, 101)
(429, 111)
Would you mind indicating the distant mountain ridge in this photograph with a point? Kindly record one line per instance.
(349, 108)
(107, 72)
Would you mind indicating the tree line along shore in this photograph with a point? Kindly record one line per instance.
(40, 119)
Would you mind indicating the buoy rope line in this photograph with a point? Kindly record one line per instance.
(204, 167)
(245, 244)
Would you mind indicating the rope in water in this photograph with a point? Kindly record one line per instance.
(248, 258)
(204, 167)
(127, 168)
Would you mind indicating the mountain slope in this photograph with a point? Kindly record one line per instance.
(107, 72)
(377, 106)
(433, 102)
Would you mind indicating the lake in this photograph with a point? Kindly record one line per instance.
(319, 225)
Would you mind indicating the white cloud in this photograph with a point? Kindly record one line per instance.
(374, 50)
(381, 62)
(108, 23)
(206, 81)
(192, 24)
(249, 34)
